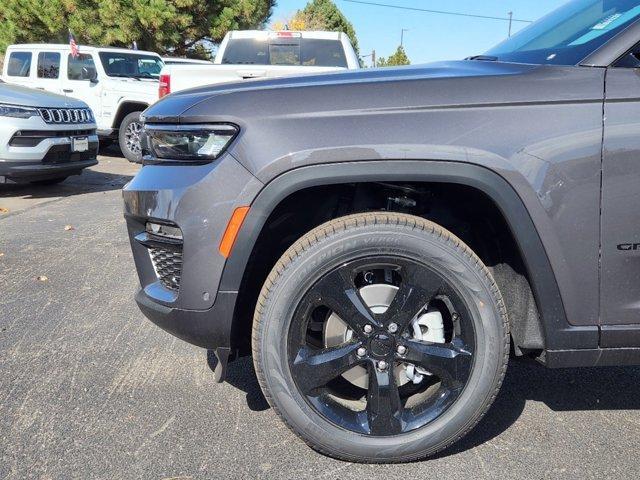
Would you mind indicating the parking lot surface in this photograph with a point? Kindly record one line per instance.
(90, 389)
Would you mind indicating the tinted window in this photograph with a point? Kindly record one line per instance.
(323, 53)
(284, 54)
(19, 64)
(121, 64)
(48, 65)
(568, 35)
(81, 67)
(280, 51)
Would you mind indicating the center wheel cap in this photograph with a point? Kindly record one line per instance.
(382, 345)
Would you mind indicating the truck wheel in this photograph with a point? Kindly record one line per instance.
(129, 137)
(380, 337)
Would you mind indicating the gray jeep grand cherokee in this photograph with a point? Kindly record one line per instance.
(378, 239)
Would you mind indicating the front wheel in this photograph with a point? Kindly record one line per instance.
(380, 337)
(129, 137)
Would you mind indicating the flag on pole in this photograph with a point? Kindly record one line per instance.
(73, 45)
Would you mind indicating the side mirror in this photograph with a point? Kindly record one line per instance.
(91, 75)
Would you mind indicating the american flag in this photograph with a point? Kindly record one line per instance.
(73, 45)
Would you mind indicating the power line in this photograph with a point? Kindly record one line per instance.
(441, 12)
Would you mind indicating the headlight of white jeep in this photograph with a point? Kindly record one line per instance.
(188, 143)
(17, 111)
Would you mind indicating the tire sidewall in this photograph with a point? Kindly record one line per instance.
(464, 274)
(122, 141)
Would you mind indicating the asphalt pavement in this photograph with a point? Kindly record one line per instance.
(89, 389)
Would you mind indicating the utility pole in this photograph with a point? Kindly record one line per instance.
(510, 22)
(373, 57)
(402, 36)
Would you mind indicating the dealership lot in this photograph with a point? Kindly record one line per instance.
(90, 389)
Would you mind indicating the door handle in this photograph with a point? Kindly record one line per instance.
(67, 90)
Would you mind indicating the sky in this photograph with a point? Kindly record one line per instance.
(430, 37)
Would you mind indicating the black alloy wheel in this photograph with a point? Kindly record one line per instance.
(382, 343)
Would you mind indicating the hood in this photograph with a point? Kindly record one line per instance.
(172, 106)
(29, 97)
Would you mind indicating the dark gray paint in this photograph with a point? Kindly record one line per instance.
(621, 199)
(200, 199)
(463, 111)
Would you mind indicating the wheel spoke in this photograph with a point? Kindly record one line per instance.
(315, 368)
(338, 292)
(384, 408)
(416, 290)
(451, 362)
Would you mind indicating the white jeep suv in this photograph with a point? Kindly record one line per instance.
(116, 83)
(44, 137)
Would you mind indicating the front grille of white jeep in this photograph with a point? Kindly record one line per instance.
(66, 115)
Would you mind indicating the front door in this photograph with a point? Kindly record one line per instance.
(77, 82)
(620, 235)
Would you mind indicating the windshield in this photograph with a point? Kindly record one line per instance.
(122, 64)
(285, 51)
(568, 35)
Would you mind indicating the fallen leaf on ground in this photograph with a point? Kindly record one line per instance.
(42, 278)
(3, 210)
(68, 227)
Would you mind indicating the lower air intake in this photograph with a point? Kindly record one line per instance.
(168, 266)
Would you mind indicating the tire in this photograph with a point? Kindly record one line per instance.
(49, 181)
(129, 137)
(422, 262)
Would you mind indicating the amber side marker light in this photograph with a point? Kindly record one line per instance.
(230, 234)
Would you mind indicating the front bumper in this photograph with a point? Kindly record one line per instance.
(31, 149)
(18, 172)
(199, 200)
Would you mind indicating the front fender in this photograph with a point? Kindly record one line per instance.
(559, 334)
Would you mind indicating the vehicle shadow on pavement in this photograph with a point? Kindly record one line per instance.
(242, 376)
(576, 389)
(89, 181)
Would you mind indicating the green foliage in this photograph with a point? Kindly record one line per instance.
(163, 26)
(398, 58)
(324, 15)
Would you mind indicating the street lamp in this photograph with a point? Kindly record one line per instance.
(402, 36)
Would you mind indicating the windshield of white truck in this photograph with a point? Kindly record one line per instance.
(307, 52)
(122, 64)
(568, 35)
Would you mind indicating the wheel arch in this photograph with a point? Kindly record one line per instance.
(557, 333)
(125, 108)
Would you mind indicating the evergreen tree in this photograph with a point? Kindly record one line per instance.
(398, 58)
(163, 26)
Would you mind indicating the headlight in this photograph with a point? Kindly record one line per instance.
(17, 111)
(188, 143)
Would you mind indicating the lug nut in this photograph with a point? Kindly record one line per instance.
(402, 349)
(368, 329)
(382, 365)
(393, 328)
(362, 352)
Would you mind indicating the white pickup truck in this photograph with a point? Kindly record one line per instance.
(251, 54)
(118, 84)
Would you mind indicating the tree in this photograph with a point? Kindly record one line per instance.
(163, 26)
(398, 58)
(321, 15)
